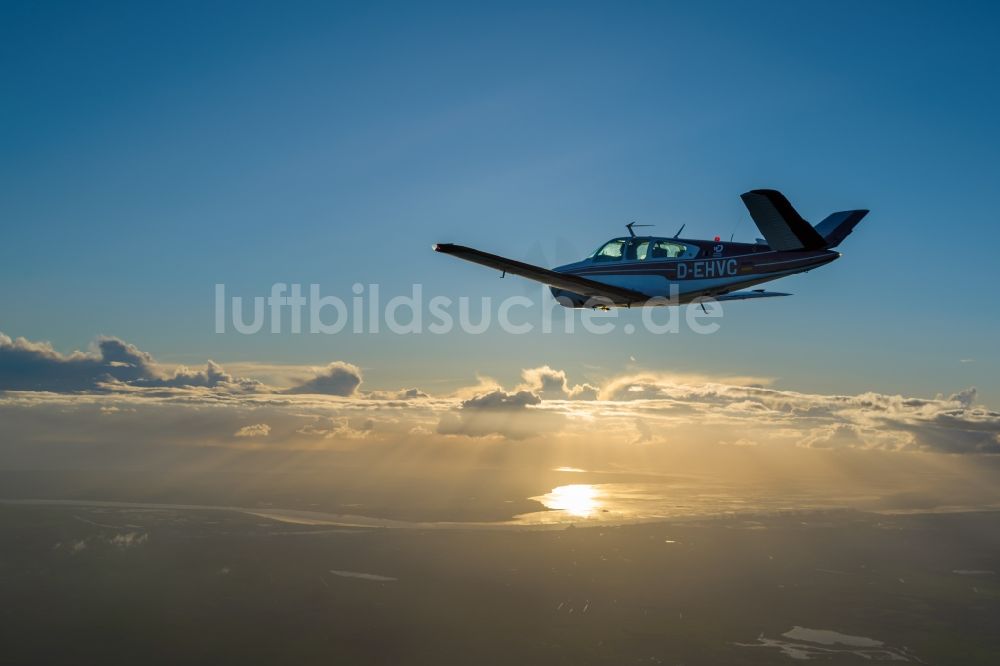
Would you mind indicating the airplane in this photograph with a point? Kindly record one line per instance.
(635, 271)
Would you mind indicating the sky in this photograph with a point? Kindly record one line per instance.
(151, 152)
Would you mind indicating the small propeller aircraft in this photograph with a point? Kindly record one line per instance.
(639, 270)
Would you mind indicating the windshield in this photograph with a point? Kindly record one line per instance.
(610, 251)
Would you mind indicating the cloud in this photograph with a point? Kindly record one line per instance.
(338, 378)
(552, 384)
(510, 415)
(338, 428)
(741, 442)
(35, 366)
(952, 424)
(254, 430)
(501, 400)
(965, 398)
(850, 435)
(73, 547)
(651, 385)
(213, 376)
(401, 394)
(643, 432)
(129, 539)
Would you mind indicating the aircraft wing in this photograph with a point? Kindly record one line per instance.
(746, 295)
(565, 281)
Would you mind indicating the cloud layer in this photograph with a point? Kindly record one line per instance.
(116, 391)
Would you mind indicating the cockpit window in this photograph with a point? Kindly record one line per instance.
(672, 250)
(611, 251)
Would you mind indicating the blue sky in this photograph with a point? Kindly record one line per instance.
(148, 153)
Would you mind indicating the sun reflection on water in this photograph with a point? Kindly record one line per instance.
(632, 502)
(578, 499)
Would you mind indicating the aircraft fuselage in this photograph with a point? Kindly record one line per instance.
(715, 269)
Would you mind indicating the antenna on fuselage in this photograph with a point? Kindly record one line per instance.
(680, 230)
(633, 224)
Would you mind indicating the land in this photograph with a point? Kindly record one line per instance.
(123, 585)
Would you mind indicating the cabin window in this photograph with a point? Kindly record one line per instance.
(611, 251)
(672, 250)
(637, 250)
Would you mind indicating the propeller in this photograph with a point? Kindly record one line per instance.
(558, 252)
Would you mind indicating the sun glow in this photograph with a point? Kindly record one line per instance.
(578, 499)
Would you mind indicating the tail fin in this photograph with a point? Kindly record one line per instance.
(782, 226)
(835, 228)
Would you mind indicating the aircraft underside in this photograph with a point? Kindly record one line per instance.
(659, 288)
